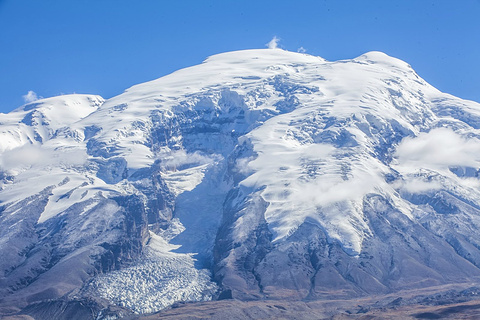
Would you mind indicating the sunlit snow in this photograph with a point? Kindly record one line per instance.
(310, 137)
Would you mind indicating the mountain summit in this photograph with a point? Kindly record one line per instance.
(258, 174)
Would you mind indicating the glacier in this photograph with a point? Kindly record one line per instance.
(258, 174)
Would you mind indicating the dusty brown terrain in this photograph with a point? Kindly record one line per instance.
(458, 301)
(299, 310)
(445, 302)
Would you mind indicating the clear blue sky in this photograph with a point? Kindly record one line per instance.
(105, 46)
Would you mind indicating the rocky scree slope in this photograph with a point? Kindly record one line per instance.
(258, 174)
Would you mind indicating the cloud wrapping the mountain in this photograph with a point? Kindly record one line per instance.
(33, 155)
(438, 149)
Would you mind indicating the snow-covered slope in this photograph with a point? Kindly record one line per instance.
(257, 174)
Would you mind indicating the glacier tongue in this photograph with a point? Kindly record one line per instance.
(158, 279)
(256, 174)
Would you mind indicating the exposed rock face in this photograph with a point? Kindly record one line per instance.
(259, 174)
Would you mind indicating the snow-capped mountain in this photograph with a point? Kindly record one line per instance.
(258, 174)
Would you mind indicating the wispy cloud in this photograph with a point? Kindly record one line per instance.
(301, 50)
(179, 159)
(418, 185)
(273, 44)
(439, 148)
(28, 155)
(30, 97)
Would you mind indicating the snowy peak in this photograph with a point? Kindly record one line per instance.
(262, 58)
(380, 58)
(38, 121)
(67, 101)
(256, 174)
(303, 107)
(59, 111)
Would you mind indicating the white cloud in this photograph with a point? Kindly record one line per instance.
(24, 156)
(30, 97)
(438, 149)
(273, 44)
(329, 189)
(301, 50)
(28, 155)
(177, 159)
(418, 185)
